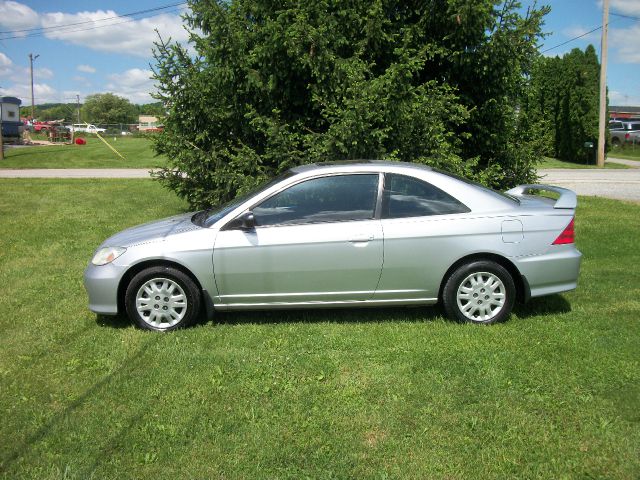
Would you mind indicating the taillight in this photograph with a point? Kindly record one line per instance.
(626, 136)
(568, 235)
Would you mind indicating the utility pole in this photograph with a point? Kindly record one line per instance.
(33, 103)
(78, 102)
(603, 84)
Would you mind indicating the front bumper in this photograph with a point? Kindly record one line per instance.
(101, 283)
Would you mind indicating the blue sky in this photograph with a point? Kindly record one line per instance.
(82, 59)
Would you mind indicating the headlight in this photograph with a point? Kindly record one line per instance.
(107, 255)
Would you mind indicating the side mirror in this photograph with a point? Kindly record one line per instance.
(247, 221)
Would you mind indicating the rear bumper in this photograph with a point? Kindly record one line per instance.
(554, 272)
(101, 283)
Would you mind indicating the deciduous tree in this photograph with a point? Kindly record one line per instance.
(106, 108)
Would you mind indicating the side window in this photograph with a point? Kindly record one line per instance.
(409, 197)
(327, 199)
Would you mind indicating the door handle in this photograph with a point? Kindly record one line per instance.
(361, 238)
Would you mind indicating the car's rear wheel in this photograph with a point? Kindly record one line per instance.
(162, 299)
(479, 292)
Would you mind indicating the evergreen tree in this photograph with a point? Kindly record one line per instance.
(565, 95)
(277, 84)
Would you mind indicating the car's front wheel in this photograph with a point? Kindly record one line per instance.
(162, 299)
(479, 292)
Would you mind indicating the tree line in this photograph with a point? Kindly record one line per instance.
(457, 84)
(102, 108)
(563, 102)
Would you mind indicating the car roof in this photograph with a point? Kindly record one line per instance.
(358, 163)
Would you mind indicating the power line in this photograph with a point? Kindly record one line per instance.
(65, 30)
(630, 17)
(572, 39)
(131, 14)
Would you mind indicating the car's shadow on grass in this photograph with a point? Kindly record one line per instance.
(554, 304)
(113, 321)
(331, 315)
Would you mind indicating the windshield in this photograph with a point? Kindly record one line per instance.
(206, 218)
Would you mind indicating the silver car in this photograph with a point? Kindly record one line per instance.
(344, 235)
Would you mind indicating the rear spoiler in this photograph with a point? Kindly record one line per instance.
(567, 197)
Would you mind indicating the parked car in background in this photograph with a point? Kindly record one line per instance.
(86, 128)
(344, 235)
(623, 132)
(46, 126)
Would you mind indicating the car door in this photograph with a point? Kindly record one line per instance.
(424, 231)
(317, 241)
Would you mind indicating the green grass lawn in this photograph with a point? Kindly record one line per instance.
(95, 154)
(630, 152)
(386, 393)
(548, 162)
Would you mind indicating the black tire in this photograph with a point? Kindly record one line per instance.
(615, 142)
(485, 295)
(174, 304)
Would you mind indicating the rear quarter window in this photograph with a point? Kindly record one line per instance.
(405, 197)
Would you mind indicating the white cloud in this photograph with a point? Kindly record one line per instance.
(122, 36)
(42, 73)
(16, 16)
(623, 45)
(43, 93)
(86, 69)
(623, 99)
(20, 74)
(6, 65)
(96, 30)
(134, 84)
(626, 7)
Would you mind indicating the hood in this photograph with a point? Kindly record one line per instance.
(152, 231)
